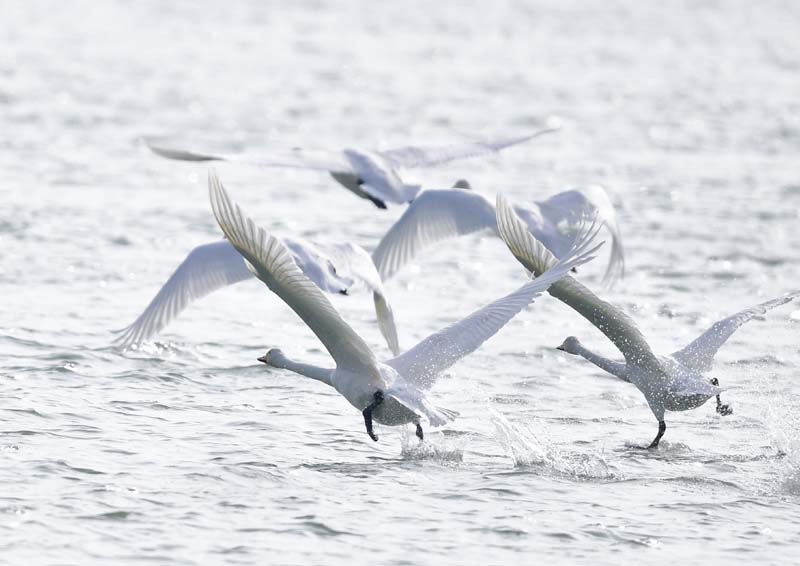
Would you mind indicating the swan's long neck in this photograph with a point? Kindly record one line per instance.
(618, 369)
(308, 370)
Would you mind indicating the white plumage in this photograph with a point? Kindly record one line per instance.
(358, 375)
(370, 174)
(334, 268)
(669, 383)
(440, 214)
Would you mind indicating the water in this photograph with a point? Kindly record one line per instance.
(189, 452)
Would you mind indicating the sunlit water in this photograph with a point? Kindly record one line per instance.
(190, 452)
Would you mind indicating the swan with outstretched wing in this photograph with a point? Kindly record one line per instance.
(390, 392)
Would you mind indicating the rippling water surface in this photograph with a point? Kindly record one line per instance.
(188, 451)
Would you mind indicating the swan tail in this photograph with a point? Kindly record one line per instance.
(439, 416)
(386, 321)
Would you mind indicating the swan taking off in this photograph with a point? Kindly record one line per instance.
(334, 268)
(440, 214)
(669, 383)
(369, 174)
(392, 392)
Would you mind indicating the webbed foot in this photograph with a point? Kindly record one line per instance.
(723, 410)
(419, 432)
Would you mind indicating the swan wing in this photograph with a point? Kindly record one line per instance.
(421, 364)
(609, 319)
(353, 261)
(421, 156)
(699, 354)
(272, 262)
(435, 215)
(572, 206)
(298, 158)
(207, 268)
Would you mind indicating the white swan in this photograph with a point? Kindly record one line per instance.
(369, 174)
(334, 268)
(440, 214)
(669, 383)
(390, 392)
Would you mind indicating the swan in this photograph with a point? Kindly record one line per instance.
(369, 174)
(668, 383)
(334, 268)
(439, 214)
(391, 393)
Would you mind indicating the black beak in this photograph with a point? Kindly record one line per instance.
(263, 358)
(560, 348)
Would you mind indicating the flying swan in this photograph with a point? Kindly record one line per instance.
(668, 383)
(440, 214)
(334, 268)
(391, 393)
(367, 173)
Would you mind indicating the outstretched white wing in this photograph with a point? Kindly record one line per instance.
(433, 216)
(422, 363)
(609, 319)
(322, 160)
(699, 354)
(272, 263)
(207, 268)
(426, 156)
(572, 206)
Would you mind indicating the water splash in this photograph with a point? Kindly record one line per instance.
(435, 447)
(528, 449)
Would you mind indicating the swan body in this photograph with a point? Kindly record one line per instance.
(440, 214)
(390, 392)
(668, 383)
(372, 175)
(334, 268)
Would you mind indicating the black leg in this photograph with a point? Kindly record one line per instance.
(723, 410)
(662, 428)
(378, 399)
(419, 431)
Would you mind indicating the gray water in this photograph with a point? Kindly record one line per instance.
(188, 451)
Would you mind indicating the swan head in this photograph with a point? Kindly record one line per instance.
(274, 357)
(570, 345)
(462, 184)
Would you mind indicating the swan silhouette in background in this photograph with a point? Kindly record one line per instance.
(334, 268)
(369, 174)
(669, 383)
(391, 393)
(439, 214)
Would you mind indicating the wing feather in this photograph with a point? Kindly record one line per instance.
(321, 160)
(272, 263)
(420, 156)
(699, 354)
(421, 364)
(573, 205)
(435, 215)
(207, 268)
(609, 319)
